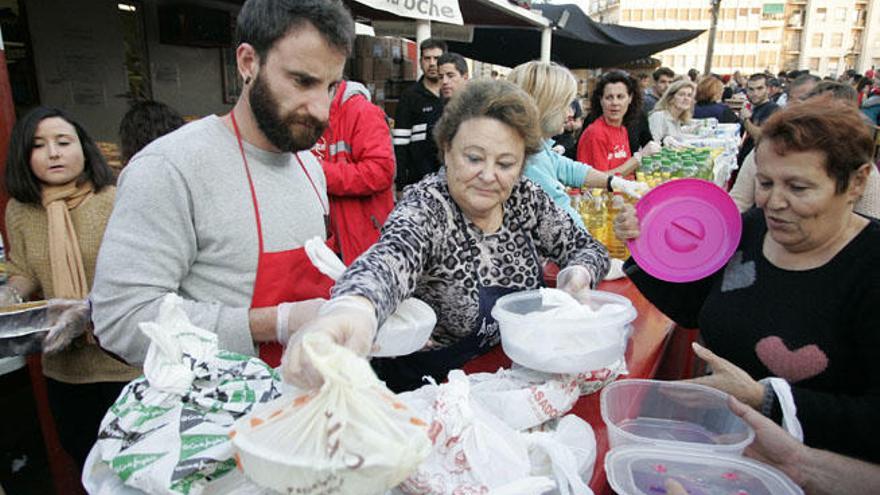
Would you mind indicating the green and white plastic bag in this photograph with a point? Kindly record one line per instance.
(168, 432)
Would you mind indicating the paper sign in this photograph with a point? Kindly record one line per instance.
(446, 11)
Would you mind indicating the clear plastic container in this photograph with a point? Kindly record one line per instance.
(640, 470)
(673, 415)
(564, 345)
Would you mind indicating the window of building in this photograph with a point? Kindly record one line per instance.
(728, 13)
(727, 36)
(832, 66)
(814, 64)
(836, 40)
(818, 38)
(695, 14)
(756, 10)
(750, 61)
(840, 14)
(626, 15)
(683, 15)
(738, 61)
(716, 60)
(637, 15)
(740, 37)
(821, 14)
(648, 15)
(671, 14)
(660, 14)
(752, 37)
(725, 61)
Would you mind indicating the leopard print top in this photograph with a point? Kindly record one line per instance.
(424, 252)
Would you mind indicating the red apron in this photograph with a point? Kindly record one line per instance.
(282, 276)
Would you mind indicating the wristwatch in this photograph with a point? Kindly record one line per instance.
(608, 184)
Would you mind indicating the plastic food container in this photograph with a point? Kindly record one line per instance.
(564, 345)
(672, 414)
(682, 431)
(638, 471)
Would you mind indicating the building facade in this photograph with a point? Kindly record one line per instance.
(825, 36)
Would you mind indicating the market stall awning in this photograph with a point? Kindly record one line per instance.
(578, 41)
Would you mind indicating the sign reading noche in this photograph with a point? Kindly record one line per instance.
(446, 11)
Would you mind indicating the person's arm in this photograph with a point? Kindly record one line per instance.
(818, 472)
(743, 190)
(148, 248)
(22, 281)
(657, 125)
(371, 168)
(402, 139)
(572, 173)
(727, 116)
(389, 271)
(564, 242)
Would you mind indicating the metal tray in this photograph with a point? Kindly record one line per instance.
(23, 328)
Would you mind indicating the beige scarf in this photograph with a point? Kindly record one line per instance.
(65, 258)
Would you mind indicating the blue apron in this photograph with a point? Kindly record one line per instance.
(405, 373)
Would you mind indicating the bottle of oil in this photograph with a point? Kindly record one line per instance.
(597, 216)
(616, 247)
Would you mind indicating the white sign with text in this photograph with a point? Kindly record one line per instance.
(446, 11)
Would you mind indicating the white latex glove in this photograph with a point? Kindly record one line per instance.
(68, 319)
(292, 316)
(651, 148)
(628, 187)
(575, 280)
(9, 296)
(626, 224)
(559, 149)
(350, 321)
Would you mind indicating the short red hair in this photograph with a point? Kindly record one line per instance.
(832, 127)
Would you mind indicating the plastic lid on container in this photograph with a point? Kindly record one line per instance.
(635, 470)
(689, 229)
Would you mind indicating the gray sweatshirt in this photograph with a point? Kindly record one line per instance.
(184, 222)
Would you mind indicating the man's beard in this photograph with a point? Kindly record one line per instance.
(277, 128)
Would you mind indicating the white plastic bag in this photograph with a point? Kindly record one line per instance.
(353, 436)
(168, 431)
(404, 332)
(524, 398)
(566, 453)
(473, 452)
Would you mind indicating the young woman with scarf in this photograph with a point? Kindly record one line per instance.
(62, 194)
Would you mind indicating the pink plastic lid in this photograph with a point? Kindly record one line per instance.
(690, 229)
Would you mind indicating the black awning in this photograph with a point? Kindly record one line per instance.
(580, 43)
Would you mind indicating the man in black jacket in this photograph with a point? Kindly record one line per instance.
(420, 107)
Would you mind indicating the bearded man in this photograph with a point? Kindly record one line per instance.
(218, 211)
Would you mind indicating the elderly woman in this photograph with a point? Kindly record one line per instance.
(799, 298)
(553, 88)
(709, 92)
(672, 112)
(459, 240)
(615, 104)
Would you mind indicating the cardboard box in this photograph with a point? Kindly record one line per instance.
(363, 69)
(363, 46)
(383, 70)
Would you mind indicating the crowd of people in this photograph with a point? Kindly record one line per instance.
(462, 201)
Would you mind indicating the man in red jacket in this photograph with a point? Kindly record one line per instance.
(358, 160)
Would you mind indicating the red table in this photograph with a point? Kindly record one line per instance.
(651, 331)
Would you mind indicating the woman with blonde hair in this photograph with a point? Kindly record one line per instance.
(674, 110)
(553, 88)
(709, 92)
